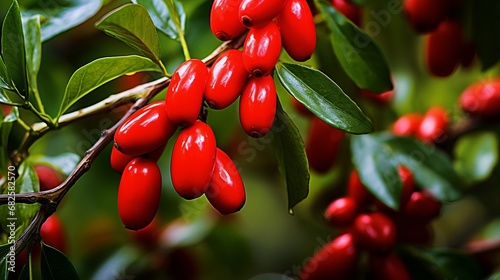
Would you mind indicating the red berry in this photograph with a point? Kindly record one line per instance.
(300, 108)
(433, 125)
(341, 212)
(379, 98)
(298, 32)
(48, 177)
(387, 267)
(407, 125)
(255, 13)
(193, 160)
(425, 15)
(145, 130)
(53, 234)
(258, 106)
(119, 160)
(261, 49)
(336, 260)
(357, 190)
(6, 109)
(482, 99)
(185, 93)
(139, 193)
(349, 10)
(375, 231)
(408, 184)
(130, 81)
(224, 21)
(322, 145)
(226, 79)
(422, 207)
(443, 48)
(226, 191)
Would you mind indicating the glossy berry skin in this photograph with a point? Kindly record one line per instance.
(425, 15)
(443, 48)
(387, 267)
(193, 160)
(226, 79)
(335, 260)
(256, 13)
(357, 191)
(297, 29)
(374, 232)
(482, 99)
(258, 106)
(433, 126)
(224, 21)
(407, 125)
(349, 10)
(323, 143)
(341, 212)
(48, 177)
(422, 207)
(261, 49)
(139, 193)
(226, 192)
(145, 130)
(119, 160)
(53, 234)
(184, 96)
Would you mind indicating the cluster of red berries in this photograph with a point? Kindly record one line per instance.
(482, 99)
(445, 44)
(370, 226)
(430, 127)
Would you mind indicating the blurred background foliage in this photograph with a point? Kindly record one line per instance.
(263, 237)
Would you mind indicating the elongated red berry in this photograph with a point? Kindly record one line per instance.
(226, 191)
(322, 145)
(298, 32)
(261, 49)
(48, 177)
(255, 13)
(349, 10)
(193, 160)
(145, 130)
(139, 193)
(443, 48)
(224, 21)
(185, 93)
(422, 207)
(387, 267)
(375, 231)
(425, 15)
(357, 190)
(226, 79)
(433, 126)
(258, 106)
(407, 125)
(53, 233)
(119, 160)
(341, 212)
(482, 99)
(335, 260)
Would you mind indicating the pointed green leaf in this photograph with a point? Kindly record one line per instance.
(13, 49)
(59, 16)
(33, 41)
(484, 22)
(99, 72)
(5, 254)
(289, 149)
(5, 82)
(162, 18)
(323, 97)
(65, 162)
(132, 25)
(360, 57)
(55, 265)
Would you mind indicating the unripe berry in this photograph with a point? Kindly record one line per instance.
(184, 97)
(145, 130)
(349, 10)
(322, 145)
(226, 79)
(48, 177)
(224, 21)
(193, 160)
(298, 32)
(482, 99)
(261, 49)
(374, 232)
(139, 193)
(422, 207)
(433, 126)
(226, 191)
(425, 15)
(256, 13)
(387, 267)
(52, 233)
(258, 106)
(341, 212)
(357, 190)
(443, 48)
(407, 125)
(336, 260)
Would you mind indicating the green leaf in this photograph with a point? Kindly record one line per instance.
(65, 162)
(13, 49)
(5, 82)
(162, 18)
(323, 97)
(360, 57)
(99, 72)
(55, 265)
(485, 21)
(59, 16)
(132, 25)
(476, 155)
(32, 38)
(118, 262)
(289, 149)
